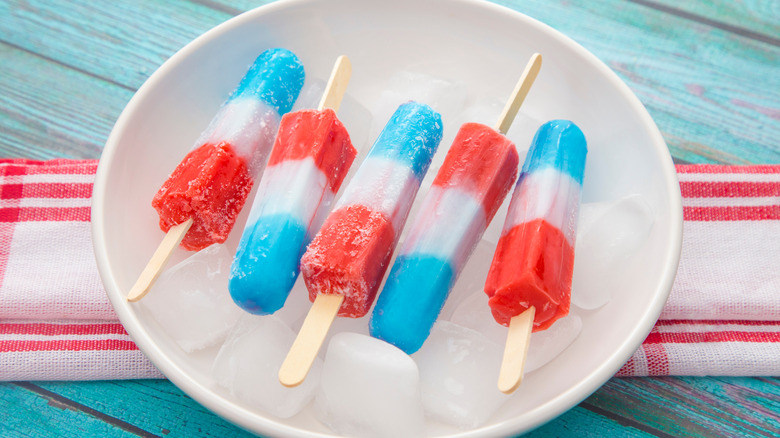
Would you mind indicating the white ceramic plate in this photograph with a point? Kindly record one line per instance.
(478, 44)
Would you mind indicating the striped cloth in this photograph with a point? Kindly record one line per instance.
(56, 322)
(723, 314)
(722, 318)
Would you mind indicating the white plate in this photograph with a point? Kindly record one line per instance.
(481, 45)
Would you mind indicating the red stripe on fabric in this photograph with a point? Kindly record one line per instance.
(671, 322)
(8, 216)
(728, 189)
(711, 336)
(628, 369)
(46, 190)
(69, 345)
(47, 329)
(657, 359)
(45, 214)
(11, 191)
(13, 170)
(736, 213)
(58, 191)
(719, 168)
(34, 167)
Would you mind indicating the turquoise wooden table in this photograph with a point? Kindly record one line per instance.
(707, 71)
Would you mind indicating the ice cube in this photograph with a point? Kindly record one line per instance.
(369, 388)
(191, 302)
(546, 345)
(347, 325)
(296, 307)
(473, 312)
(248, 365)
(609, 233)
(458, 374)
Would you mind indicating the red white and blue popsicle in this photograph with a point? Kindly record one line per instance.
(345, 263)
(477, 174)
(529, 281)
(212, 182)
(349, 255)
(199, 202)
(310, 159)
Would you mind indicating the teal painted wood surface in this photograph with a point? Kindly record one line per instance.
(710, 91)
(39, 118)
(708, 72)
(26, 413)
(759, 19)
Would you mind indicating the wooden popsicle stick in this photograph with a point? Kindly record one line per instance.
(519, 93)
(309, 340)
(337, 84)
(160, 257)
(517, 341)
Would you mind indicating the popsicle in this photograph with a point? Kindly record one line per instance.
(529, 281)
(310, 158)
(477, 174)
(201, 199)
(347, 259)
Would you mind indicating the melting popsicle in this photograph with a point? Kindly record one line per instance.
(529, 281)
(345, 263)
(311, 156)
(201, 199)
(477, 174)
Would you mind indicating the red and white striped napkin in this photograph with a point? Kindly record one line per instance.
(56, 322)
(722, 318)
(723, 314)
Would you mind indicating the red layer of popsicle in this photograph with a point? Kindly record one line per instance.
(546, 260)
(346, 260)
(210, 185)
(313, 133)
(479, 157)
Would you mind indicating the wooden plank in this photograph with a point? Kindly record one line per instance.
(233, 7)
(761, 17)
(26, 413)
(51, 111)
(122, 41)
(582, 422)
(156, 406)
(715, 95)
(668, 406)
(694, 406)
